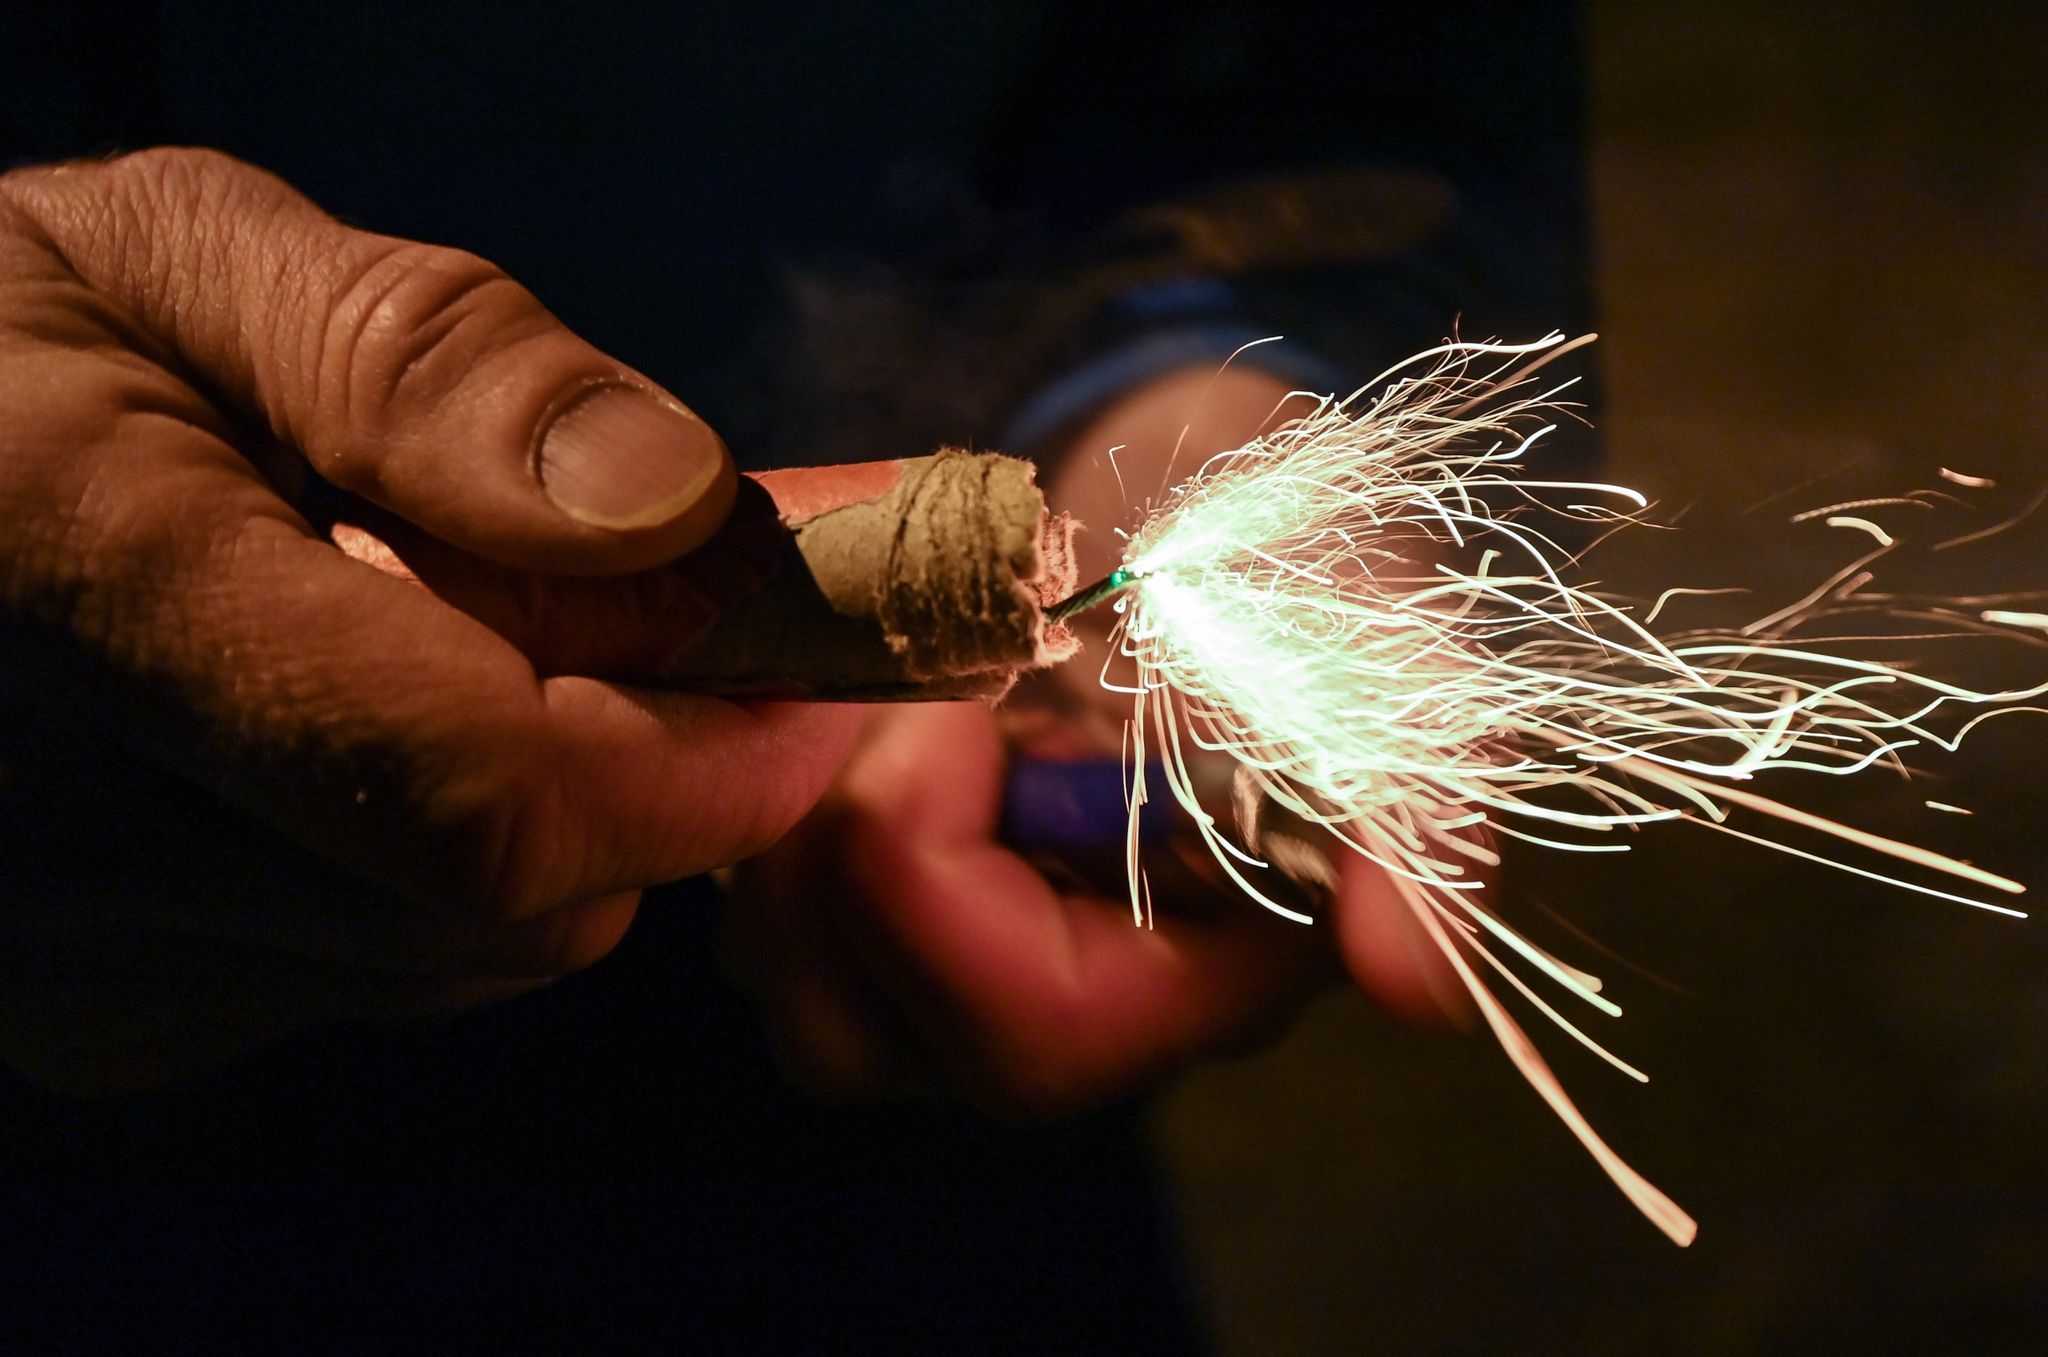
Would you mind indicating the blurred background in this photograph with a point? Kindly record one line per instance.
(1820, 258)
(1815, 242)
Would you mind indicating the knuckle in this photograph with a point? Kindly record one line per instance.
(103, 568)
(177, 173)
(147, 228)
(777, 811)
(157, 173)
(576, 938)
(406, 325)
(15, 186)
(204, 193)
(462, 846)
(508, 841)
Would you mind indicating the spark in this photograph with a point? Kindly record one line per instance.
(1365, 610)
(1875, 502)
(1883, 538)
(2009, 618)
(2031, 507)
(1681, 591)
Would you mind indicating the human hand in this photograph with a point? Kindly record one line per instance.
(895, 940)
(250, 781)
(898, 946)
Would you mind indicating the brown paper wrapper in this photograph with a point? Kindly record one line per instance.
(917, 579)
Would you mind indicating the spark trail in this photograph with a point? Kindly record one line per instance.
(1364, 610)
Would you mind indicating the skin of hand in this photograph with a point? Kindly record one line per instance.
(249, 781)
(897, 944)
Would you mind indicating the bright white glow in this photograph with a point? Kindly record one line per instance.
(1363, 610)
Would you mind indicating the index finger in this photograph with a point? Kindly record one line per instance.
(1061, 997)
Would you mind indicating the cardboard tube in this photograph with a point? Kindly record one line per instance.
(918, 579)
(912, 580)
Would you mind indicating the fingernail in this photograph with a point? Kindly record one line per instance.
(617, 457)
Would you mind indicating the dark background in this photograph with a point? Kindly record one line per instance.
(1815, 245)
(1820, 262)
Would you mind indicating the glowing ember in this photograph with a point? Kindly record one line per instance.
(1361, 610)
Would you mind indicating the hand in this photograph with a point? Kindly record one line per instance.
(248, 780)
(895, 941)
(899, 946)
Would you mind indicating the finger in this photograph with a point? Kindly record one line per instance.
(1389, 953)
(192, 615)
(832, 1031)
(181, 606)
(1062, 999)
(624, 627)
(420, 378)
(207, 870)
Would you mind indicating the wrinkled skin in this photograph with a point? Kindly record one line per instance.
(248, 780)
(251, 782)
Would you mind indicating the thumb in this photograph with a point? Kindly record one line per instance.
(422, 379)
